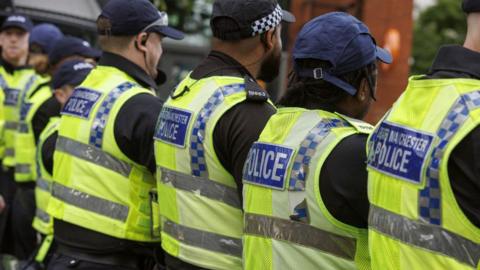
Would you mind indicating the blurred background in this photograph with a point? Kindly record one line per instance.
(411, 29)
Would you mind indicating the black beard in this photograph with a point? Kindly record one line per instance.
(270, 68)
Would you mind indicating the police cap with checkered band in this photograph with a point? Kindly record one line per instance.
(246, 18)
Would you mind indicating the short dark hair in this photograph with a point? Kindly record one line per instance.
(312, 93)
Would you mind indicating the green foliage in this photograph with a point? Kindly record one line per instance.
(443, 23)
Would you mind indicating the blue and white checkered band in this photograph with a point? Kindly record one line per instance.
(307, 150)
(3, 84)
(101, 118)
(24, 105)
(430, 197)
(268, 22)
(197, 153)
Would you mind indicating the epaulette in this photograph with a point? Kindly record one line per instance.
(254, 91)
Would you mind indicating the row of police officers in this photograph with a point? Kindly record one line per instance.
(217, 176)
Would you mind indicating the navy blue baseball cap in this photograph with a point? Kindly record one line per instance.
(131, 17)
(72, 72)
(18, 21)
(45, 35)
(70, 46)
(343, 41)
(470, 6)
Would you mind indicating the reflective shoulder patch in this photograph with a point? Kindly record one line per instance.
(399, 151)
(361, 126)
(11, 96)
(267, 165)
(81, 103)
(172, 126)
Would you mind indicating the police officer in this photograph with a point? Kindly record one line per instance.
(15, 78)
(305, 188)
(104, 166)
(34, 116)
(204, 133)
(70, 74)
(423, 165)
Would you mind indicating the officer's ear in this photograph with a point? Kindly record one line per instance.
(268, 39)
(140, 42)
(363, 92)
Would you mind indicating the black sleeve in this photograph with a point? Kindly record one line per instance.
(464, 174)
(47, 150)
(235, 133)
(343, 181)
(135, 127)
(50, 108)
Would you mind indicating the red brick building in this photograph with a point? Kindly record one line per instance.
(382, 16)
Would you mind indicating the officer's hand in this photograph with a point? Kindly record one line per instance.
(2, 204)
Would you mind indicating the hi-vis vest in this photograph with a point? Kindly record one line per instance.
(14, 86)
(200, 209)
(95, 185)
(25, 144)
(42, 221)
(287, 225)
(415, 221)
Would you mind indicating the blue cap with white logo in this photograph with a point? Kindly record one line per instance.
(72, 72)
(131, 17)
(343, 41)
(17, 21)
(71, 46)
(45, 35)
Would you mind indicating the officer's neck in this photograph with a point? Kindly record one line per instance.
(246, 52)
(14, 62)
(472, 40)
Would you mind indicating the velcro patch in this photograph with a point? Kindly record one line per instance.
(11, 96)
(81, 103)
(267, 165)
(399, 151)
(172, 126)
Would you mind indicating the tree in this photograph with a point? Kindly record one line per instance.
(443, 23)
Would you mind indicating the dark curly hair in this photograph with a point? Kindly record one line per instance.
(313, 93)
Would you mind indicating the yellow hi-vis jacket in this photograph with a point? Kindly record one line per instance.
(415, 221)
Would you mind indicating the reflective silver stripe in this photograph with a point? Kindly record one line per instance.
(9, 152)
(43, 184)
(42, 215)
(93, 154)
(89, 202)
(301, 234)
(425, 236)
(11, 125)
(202, 186)
(22, 168)
(202, 239)
(23, 127)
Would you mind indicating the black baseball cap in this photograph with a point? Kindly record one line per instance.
(343, 41)
(70, 46)
(251, 18)
(470, 6)
(18, 21)
(72, 72)
(131, 17)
